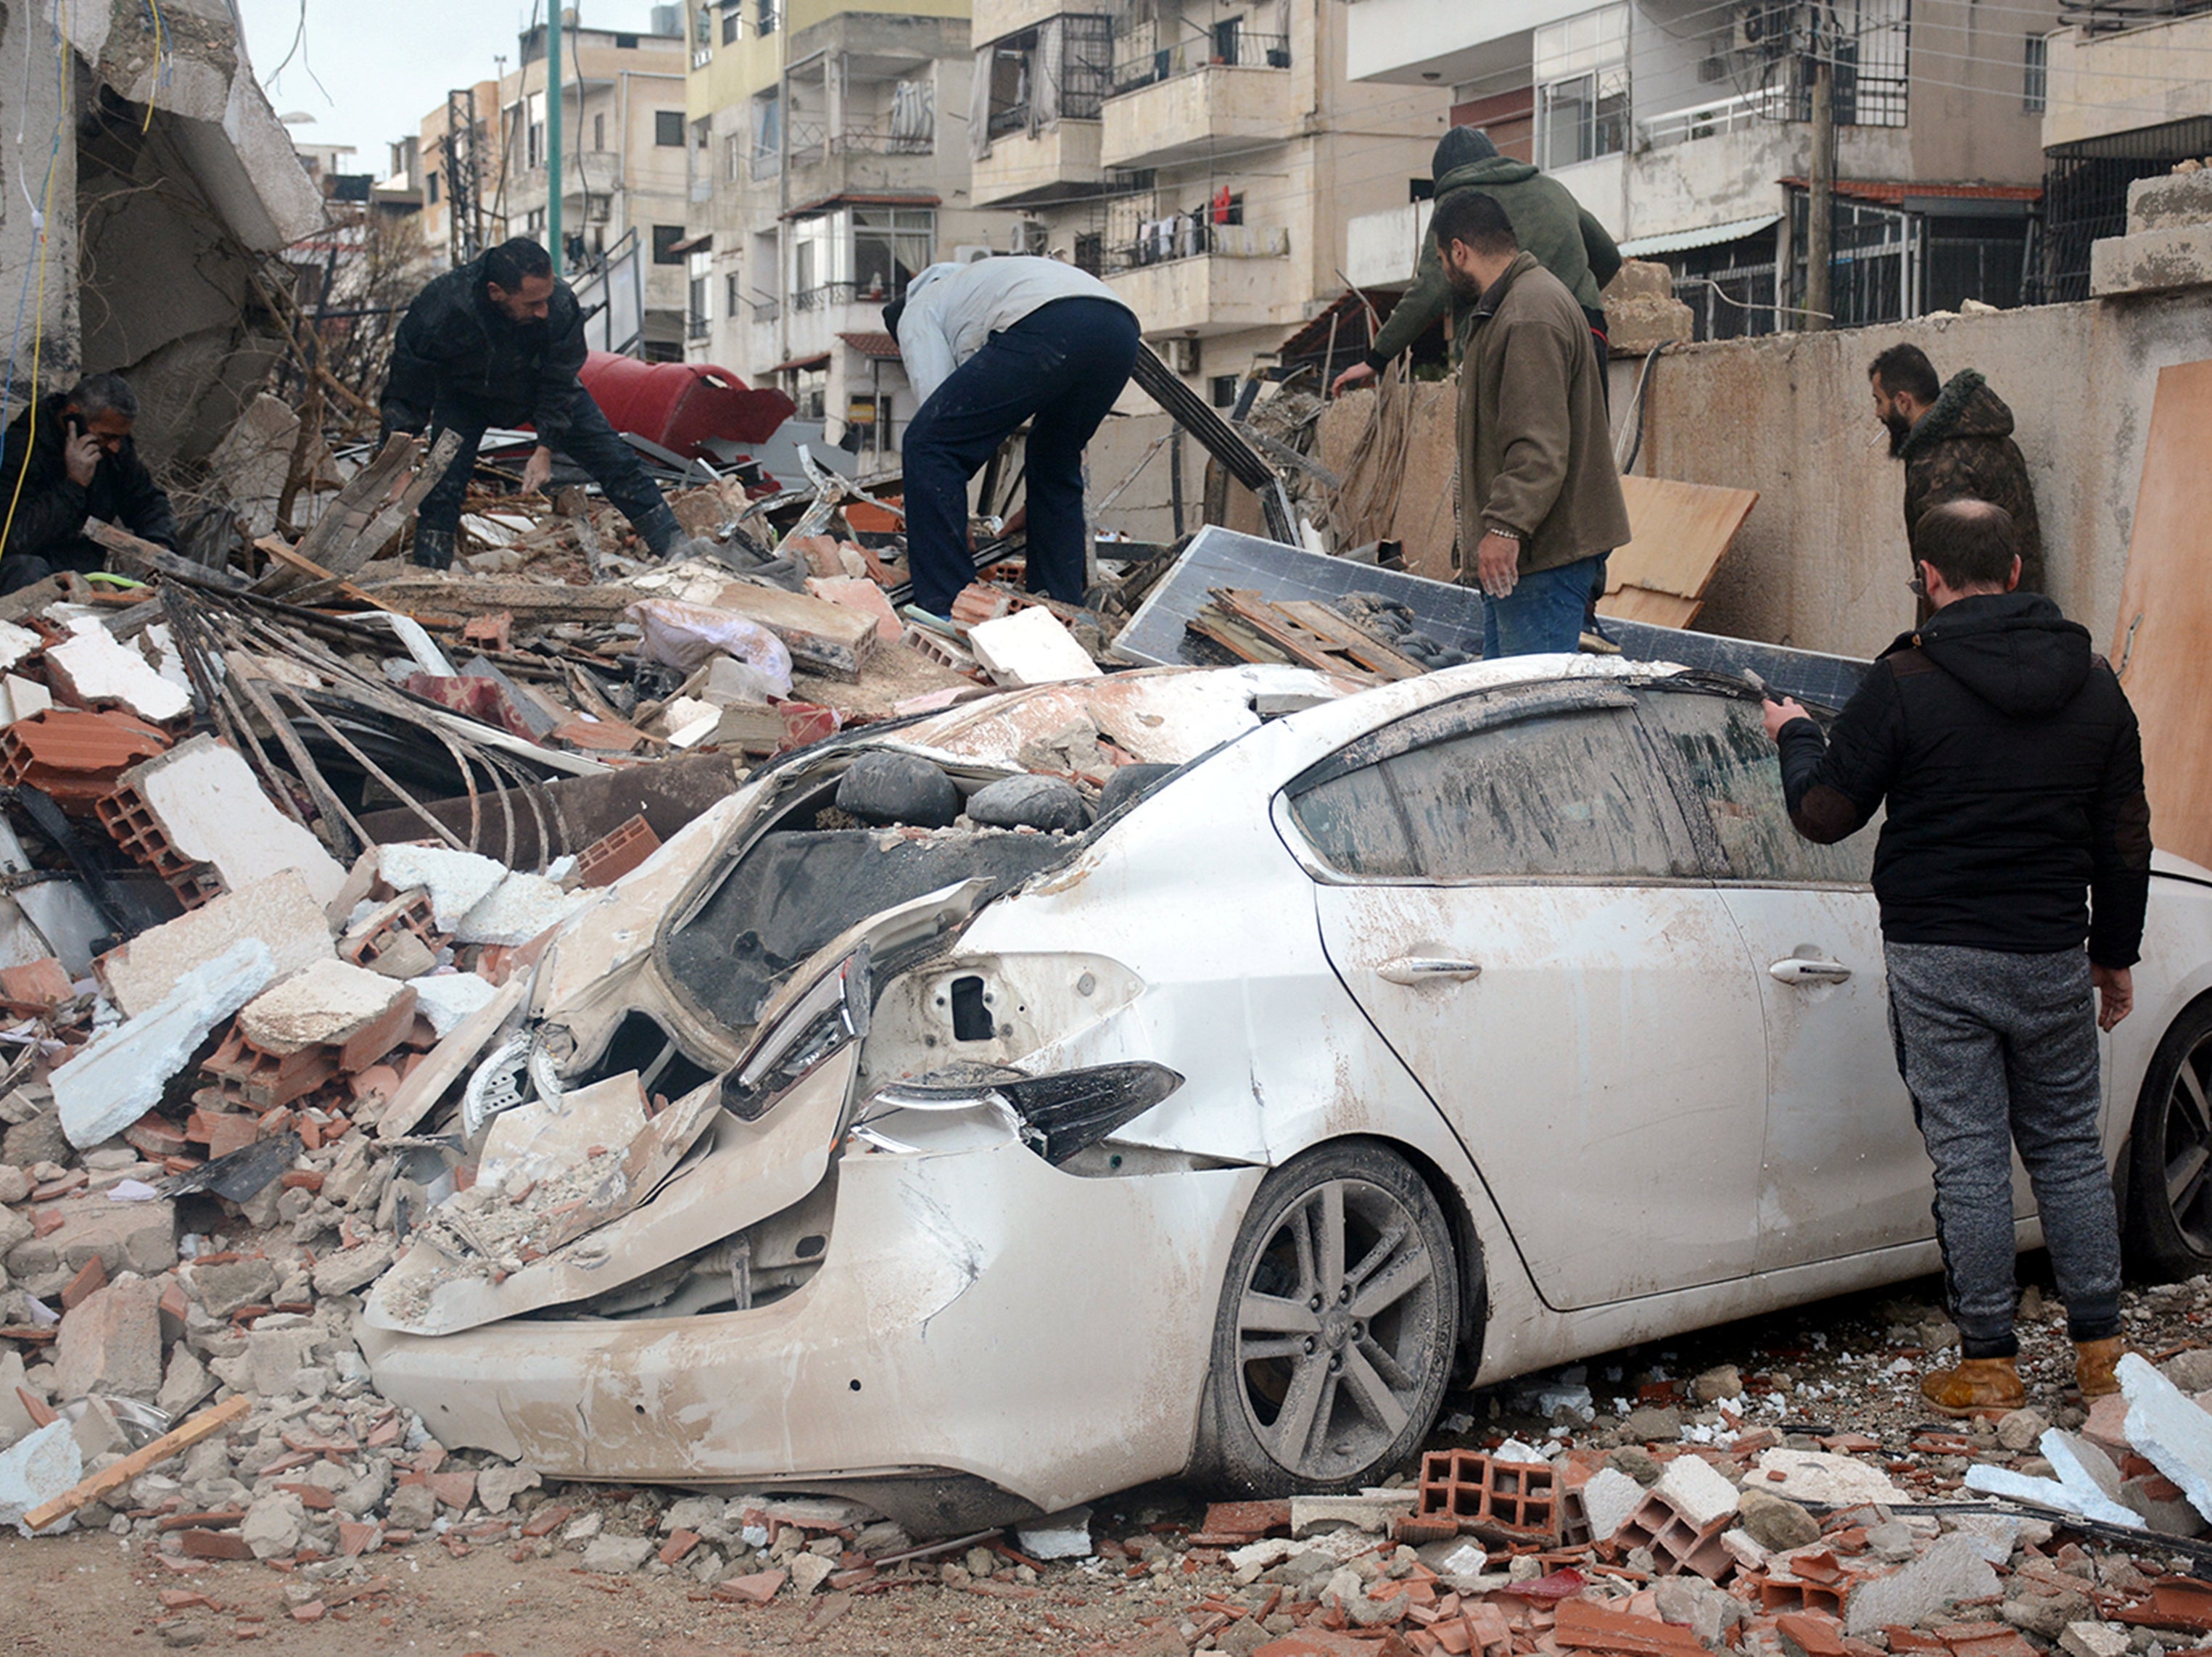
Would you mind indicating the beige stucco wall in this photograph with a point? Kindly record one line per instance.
(1821, 562)
(2136, 78)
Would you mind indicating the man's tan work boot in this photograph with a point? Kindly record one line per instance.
(1975, 1386)
(2094, 1363)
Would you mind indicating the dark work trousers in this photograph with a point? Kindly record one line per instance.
(1060, 368)
(591, 443)
(1999, 1050)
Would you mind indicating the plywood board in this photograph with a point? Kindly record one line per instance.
(1678, 534)
(2165, 612)
(1643, 604)
(1426, 523)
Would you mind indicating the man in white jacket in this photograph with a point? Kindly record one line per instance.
(988, 346)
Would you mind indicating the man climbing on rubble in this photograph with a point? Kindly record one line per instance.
(988, 346)
(1956, 443)
(1564, 237)
(498, 342)
(69, 458)
(1540, 500)
(2011, 766)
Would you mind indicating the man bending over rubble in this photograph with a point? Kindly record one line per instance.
(495, 343)
(69, 458)
(2011, 768)
(988, 346)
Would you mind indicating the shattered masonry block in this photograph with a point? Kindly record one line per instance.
(617, 852)
(1699, 1495)
(455, 882)
(934, 646)
(1952, 1568)
(37, 986)
(75, 757)
(1778, 1594)
(130, 823)
(330, 1004)
(213, 810)
(1608, 1500)
(1676, 1544)
(112, 1343)
(120, 1075)
(2169, 1430)
(93, 669)
(1515, 1499)
(380, 933)
(280, 911)
(265, 1080)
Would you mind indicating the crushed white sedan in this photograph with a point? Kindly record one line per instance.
(872, 1140)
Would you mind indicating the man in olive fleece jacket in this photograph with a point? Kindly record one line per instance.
(1547, 222)
(1540, 499)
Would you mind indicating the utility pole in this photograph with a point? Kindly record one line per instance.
(553, 137)
(1820, 205)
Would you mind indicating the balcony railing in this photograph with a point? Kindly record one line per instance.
(1165, 240)
(842, 293)
(869, 140)
(1749, 109)
(810, 142)
(1242, 50)
(696, 326)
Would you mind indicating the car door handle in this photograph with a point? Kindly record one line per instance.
(1427, 969)
(1798, 971)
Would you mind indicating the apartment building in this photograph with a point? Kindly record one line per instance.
(1686, 126)
(828, 164)
(1203, 157)
(2128, 93)
(460, 150)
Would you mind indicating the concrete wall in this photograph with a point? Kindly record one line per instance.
(2136, 78)
(1970, 119)
(1822, 562)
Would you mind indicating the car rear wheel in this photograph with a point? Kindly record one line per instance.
(2169, 1207)
(1337, 1327)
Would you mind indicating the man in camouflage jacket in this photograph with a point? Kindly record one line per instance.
(1956, 442)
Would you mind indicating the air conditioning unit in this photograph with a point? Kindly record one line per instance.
(1763, 27)
(1029, 236)
(1180, 355)
(968, 252)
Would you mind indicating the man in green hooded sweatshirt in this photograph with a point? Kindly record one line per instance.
(1548, 221)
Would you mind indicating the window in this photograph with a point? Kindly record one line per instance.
(599, 132)
(890, 245)
(768, 135)
(696, 320)
(1734, 774)
(1581, 68)
(664, 239)
(667, 129)
(733, 293)
(2035, 72)
(625, 43)
(430, 188)
(734, 26)
(1552, 795)
(1222, 391)
(764, 16)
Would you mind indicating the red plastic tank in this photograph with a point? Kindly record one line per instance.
(682, 405)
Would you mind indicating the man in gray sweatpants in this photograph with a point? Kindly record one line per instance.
(2017, 828)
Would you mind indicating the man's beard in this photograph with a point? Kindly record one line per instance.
(1900, 428)
(1465, 289)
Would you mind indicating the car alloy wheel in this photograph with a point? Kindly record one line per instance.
(1337, 1324)
(2169, 1217)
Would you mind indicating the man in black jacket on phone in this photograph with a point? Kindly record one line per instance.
(69, 457)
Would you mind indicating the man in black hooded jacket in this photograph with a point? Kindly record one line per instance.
(497, 341)
(2011, 768)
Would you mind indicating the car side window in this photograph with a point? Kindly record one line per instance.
(1558, 795)
(1736, 777)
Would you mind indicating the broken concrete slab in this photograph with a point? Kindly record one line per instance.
(119, 1075)
(112, 1343)
(519, 908)
(2082, 1498)
(321, 1005)
(1697, 1493)
(278, 909)
(447, 998)
(1370, 1510)
(123, 1237)
(36, 1469)
(1608, 1499)
(213, 811)
(1952, 1568)
(350, 1269)
(2087, 1473)
(1030, 647)
(829, 638)
(456, 881)
(1819, 1476)
(2169, 1430)
(92, 669)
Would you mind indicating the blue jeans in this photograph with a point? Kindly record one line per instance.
(1543, 614)
(1060, 368)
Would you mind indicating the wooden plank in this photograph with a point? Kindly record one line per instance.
(115, 1478)
(1643, 604)
(2165, 612)
(1426, 523)
(346, 516)
(1678, 534)
(292, 559)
